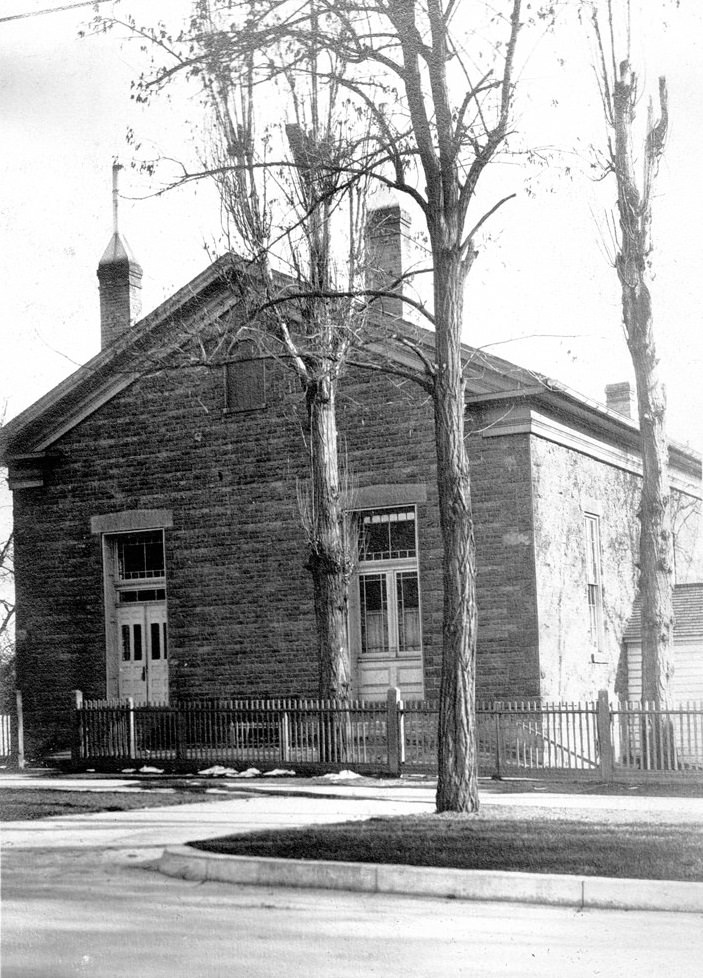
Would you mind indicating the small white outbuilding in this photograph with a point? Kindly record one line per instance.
(687, 684)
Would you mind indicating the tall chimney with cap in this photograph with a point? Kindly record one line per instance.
(386, 243)
(621, 399)
(120, 278)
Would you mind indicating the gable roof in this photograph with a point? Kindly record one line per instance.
(113, 368)
(490, 380)
(688, 614)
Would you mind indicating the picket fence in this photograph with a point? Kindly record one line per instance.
(589, 740)
(5, 735)
(12, 735)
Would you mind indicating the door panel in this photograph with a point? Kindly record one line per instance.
(143, 671)
(130, 627)
(377, 676)
(157, 667)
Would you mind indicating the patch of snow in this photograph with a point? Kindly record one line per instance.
(129, 770)
(251, 772)
(218, 771)
(279, 772)
(151, 770)
(139, 789)
(340, 776)
(216, 791)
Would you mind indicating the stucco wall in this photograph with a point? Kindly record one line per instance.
(567, 484)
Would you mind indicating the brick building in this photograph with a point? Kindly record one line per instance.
(158, 540)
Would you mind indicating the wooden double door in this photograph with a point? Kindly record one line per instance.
(143, 652)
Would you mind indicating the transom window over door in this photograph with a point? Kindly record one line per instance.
(387, 534)
(385, 604)
(140, 556)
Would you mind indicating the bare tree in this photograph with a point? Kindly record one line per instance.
(289, 196)
(439, 102)
(307, 318)
(307, 327)
(633, 263)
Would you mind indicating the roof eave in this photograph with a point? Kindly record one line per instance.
(100, 365)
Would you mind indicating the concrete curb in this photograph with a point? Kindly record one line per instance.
(581, 892)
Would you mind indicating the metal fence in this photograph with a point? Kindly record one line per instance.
(534, 739)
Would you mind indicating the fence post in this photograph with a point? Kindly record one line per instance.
(393, 730)
(284, 735)
(180, 732)
(498, 775)
(77, 728)
(131, 729)
(17, 742)
(607, 752)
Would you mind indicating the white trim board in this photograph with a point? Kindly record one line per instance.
(541, 426)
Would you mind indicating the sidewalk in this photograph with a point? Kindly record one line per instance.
(158, 835)
(250, 808)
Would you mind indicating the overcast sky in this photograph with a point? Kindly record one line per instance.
(542, 292)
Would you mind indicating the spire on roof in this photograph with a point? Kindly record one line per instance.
(120, 277)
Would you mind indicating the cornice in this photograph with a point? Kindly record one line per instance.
(523, 419)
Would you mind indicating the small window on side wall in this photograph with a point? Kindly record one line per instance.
(594, 582)
(245, 385)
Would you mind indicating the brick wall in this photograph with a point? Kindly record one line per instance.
(506, 595)
(239, 599)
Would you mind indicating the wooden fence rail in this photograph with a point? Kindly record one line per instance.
(591, 740)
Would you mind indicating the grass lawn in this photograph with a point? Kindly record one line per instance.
(562, 845)
(17, 804)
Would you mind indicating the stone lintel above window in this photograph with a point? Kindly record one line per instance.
(131, 520)
(385, 496)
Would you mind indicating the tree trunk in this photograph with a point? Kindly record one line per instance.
(632, 263)
(656, 542)
(329, 561)
(457, 784)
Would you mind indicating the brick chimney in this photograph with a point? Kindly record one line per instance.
(386, 243)
(120, 278)
(621, 399)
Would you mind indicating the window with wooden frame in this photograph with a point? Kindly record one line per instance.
(245, 385)
(388, 582)
(594, 582)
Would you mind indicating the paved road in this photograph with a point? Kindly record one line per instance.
(87, 916)
(80, 899)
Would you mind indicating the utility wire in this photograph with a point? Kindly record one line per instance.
(51, 10)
